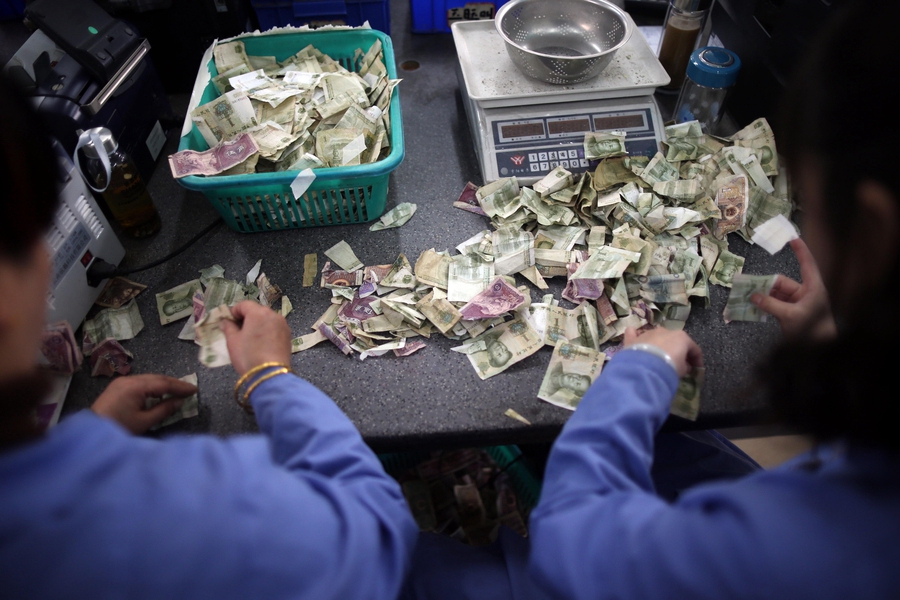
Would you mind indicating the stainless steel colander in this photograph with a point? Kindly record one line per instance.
(562, 41)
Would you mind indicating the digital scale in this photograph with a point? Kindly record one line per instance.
(525, 128)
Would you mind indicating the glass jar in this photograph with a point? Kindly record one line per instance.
(711, 72)
(109, 170)
(684, 23)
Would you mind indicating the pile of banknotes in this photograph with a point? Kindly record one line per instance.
(463, 494)
(636, 240)
(304, 112)
(205, 303)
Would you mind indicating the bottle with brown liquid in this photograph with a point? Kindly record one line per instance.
(684, 22)
(112, 172)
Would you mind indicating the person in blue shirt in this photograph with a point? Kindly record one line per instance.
(91, 510)
(825, 525)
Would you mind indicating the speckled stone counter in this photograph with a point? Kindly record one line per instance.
(432, 398)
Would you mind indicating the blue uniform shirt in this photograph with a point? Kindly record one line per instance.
(305, 511)
(831, 530)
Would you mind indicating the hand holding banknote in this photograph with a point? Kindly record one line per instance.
(684, 351)
(801, 308)
(124, 399)
(257, 335)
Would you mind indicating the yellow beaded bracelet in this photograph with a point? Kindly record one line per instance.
(245, 403)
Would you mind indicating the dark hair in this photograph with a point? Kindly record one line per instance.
(28, 174)
(28, 199)
(839, 114)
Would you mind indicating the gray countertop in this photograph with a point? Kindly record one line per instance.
(434, 397)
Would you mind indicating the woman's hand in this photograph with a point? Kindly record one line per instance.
(800, 307)
(123, 400)
(683, 350)
(258, 335)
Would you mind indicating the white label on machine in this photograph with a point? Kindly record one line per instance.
(473, 11)
(156, 140)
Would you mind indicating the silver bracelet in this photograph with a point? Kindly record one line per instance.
(656, 351)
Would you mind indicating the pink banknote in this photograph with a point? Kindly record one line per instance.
(215, 160)
(498, 298)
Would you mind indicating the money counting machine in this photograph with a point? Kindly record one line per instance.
(85, 69)
(79, 235)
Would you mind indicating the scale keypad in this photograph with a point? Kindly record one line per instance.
(537, 162)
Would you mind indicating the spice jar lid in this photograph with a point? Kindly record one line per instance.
(714, 67)
(106, 138)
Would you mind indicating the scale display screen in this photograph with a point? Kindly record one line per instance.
(569, 126)
(619, 122)
(530, 141)
(534, 129)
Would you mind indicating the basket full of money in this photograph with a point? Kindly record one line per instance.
(467, 493)
(295, 128)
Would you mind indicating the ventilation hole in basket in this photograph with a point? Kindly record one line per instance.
(261, 213)
(348, 201)
(275, 213)
(351, 208)
(346, 205)
(301, 207)
(312, 206)
(327, 202)
(340, 207)
(267, 214)
(410, 65)
(234, 204)
(249, 213)
(364, 205)
(320, 202)
(286, 208)
(312, 209)
(294, 205)
(358, 200)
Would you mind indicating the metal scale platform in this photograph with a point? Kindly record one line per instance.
(525, 127)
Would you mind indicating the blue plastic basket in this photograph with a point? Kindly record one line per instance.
(339, 195)
(313, 13)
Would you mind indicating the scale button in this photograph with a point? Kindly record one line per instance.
(573, 153)
(542, 156)
(554, 164)
(535, 167)
(584, 163)
(545, 166)
(564, 163)
(532, 157)
(552, 155)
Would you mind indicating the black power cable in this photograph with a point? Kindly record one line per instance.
(100, 269)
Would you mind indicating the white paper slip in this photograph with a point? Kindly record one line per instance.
(302, 182)
(774, 234)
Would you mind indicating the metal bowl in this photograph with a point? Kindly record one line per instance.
(562, 41)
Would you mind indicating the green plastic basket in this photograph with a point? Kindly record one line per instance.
(339, 195)
(525, 483)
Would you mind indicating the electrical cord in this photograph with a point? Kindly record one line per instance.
(100, 269)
